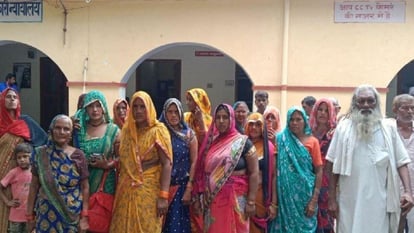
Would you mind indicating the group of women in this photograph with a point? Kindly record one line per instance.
(230, 171)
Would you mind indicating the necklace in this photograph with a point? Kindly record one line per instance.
(97, 124)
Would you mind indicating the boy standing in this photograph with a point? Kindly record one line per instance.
(19, 179)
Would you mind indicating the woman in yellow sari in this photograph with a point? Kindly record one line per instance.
(141, 197)
(198, 118)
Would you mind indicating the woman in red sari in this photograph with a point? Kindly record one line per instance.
(227, 176)
(14, 129)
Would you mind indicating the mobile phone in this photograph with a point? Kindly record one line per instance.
(96, 156)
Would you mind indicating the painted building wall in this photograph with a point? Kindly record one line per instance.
(289, 48)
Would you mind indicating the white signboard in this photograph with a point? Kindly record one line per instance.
(370, 12)
(21, 11)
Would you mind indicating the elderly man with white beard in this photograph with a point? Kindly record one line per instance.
(403, 109)
(367, 159)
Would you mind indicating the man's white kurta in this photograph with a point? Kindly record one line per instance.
(368, 192)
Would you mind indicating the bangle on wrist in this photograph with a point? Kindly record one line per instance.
(163, 194)
(251, 202)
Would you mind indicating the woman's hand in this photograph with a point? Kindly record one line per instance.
(162, 206)
(250, 209)
(333, 207)
(197, 207)
(271, 134)
(311, 208)
(187, 197)
(84, 224)
(272, 211)
(13, 203)
(100, 162)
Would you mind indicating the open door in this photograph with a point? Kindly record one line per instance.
(53, 92)
(161, 79)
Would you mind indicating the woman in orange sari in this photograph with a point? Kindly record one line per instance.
(227, 176)
(141, 197)
(266, 199)
(14, 129)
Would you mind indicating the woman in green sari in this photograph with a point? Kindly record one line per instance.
(299, 178)
(98, 138)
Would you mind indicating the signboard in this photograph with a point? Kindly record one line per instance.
(370, 12)
(199, 53)
(21, 11)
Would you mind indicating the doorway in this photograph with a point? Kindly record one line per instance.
(53, 92)
(161, 79)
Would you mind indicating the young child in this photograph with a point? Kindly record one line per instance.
(19, 179)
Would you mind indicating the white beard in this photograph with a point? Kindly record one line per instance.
(366, 123)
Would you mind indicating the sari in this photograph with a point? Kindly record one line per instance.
(117, 120)
(135, 207)
(224, 194)
(13, 132)
(200, 97)
(295, 181)
(325, 221)
(59, 201)
(265, 151)
(180, 140)
(103, 145)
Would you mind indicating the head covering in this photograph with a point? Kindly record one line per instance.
(213, 131)
(254, 117)
(331, 114)
(307, 130)
(240, 127)
(200, 97)
(167, 104)
(83, 116)
(117, 120)
(271, 110)
(183, 126)
(15, 126)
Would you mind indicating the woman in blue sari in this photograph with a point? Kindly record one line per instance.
(299, 167)
(185, 148)
(59, 191)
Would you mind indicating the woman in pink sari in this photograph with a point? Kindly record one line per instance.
(227, 176)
